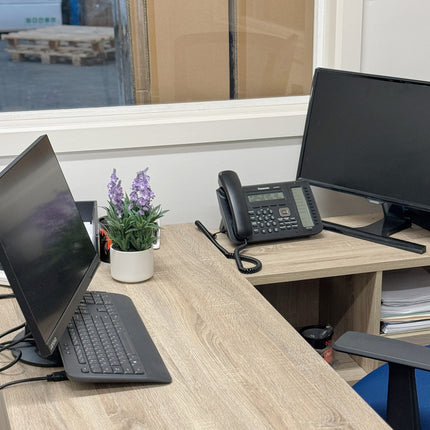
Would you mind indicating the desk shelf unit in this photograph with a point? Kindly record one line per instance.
(336, 279)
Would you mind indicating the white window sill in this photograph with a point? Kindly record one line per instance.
(94, 129)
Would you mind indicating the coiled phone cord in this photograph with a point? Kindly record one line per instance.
(236, 255)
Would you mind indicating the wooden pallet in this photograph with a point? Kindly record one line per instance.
(77, 57)
(66, 43)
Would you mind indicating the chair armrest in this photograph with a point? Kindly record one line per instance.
(384, 349)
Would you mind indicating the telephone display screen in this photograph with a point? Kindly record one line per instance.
(302, 207)
(264, 197)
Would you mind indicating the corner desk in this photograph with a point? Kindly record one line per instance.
(235, 361)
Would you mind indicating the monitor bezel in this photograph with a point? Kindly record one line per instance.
(45, 348)
(373, 197)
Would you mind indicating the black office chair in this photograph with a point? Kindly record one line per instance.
(398, 391)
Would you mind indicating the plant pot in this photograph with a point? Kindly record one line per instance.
(133, 266)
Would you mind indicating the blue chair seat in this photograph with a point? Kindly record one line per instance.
(373, 388)
(400, 383)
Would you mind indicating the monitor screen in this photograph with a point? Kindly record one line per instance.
(368, 135)
(45, 250)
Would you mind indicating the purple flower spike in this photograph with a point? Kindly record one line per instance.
(115, 193)
(141, 194)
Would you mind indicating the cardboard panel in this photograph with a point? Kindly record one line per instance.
(181, 50)
(188, 50)
(274, 47)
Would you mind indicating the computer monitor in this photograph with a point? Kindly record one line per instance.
(45, 250)
(369, 136)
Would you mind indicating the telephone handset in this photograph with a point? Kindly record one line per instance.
(233, 206)
(266, 212)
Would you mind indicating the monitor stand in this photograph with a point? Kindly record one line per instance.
(395, 219)
(30, 354)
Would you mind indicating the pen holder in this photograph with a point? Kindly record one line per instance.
(320, 338)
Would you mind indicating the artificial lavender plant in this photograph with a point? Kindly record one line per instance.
(131, 220)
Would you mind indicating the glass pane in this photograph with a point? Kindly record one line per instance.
(274, 47)
(47, 63)
(64, 54)
(218, 50)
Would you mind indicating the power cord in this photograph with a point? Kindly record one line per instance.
(7, 345)
(53, 377)
(235, 255)
(13, 362)
(4, 346)
(7, 296)
(19, 327)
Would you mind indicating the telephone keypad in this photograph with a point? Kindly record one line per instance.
(265, 221)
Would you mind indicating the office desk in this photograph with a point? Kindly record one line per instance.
(236, 363)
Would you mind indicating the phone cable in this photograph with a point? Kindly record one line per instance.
(235, 255)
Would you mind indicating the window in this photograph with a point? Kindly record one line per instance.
(185, 123)
(166, 52)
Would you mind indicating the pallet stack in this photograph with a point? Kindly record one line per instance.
(78, 45)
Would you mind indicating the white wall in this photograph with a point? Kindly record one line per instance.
(184, 178)
(396, 38)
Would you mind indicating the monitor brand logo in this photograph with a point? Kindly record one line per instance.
(53, 343)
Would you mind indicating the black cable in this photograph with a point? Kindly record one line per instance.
(5, 346)
(13, 362)
(236, 255)
(7, 296)
(12, 330)
(53, 377)
(239, 258)
(8, 384)
(8, 344)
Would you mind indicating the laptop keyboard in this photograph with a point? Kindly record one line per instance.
(106, 341)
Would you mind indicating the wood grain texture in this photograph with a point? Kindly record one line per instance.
(235, 361)
(346, 274)
(4, 419)
(331, 254)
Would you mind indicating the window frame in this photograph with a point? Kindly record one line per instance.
(338, 29)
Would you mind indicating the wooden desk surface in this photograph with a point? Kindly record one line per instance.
(235, 362)
(332, 254)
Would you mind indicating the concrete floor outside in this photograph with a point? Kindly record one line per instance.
(31, 85)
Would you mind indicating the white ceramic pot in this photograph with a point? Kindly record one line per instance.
(133, 266)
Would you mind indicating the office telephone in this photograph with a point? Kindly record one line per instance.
(261, 213)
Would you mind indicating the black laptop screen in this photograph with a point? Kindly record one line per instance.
(45, 249)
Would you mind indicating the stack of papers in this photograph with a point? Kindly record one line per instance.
(405, 301)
